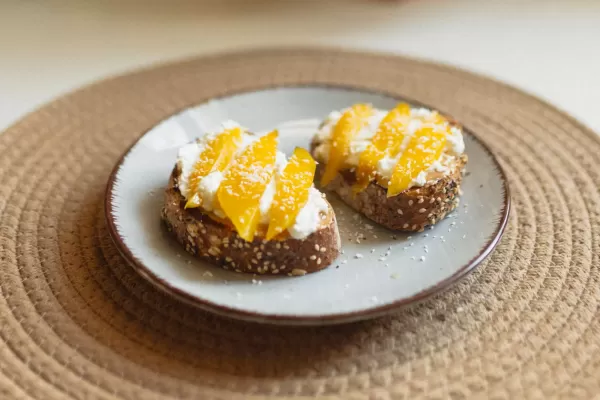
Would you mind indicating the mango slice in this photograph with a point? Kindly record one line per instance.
(215, 157)
(244, 183)
(291, 194)
(386, 142)
(424, 148)
(349, 124)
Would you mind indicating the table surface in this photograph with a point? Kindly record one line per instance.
(550, 48)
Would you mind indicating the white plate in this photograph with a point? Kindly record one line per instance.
(417, 265)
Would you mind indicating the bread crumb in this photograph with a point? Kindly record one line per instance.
(372, 250)
(207, 273)
(369, 227)
(344, 262)
(422, 258)
(358, 255)
(374, 299)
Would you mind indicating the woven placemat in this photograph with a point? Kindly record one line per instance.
(77, 322)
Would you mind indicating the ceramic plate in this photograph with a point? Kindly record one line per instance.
(395, 269)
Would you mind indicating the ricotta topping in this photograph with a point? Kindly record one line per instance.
(309, 217)
(455, 145)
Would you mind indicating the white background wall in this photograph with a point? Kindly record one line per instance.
(550, 48)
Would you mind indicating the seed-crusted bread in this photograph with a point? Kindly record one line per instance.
(410, 211)
(218, 242)
(369, 158)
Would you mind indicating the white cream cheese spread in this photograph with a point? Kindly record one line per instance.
(309, 218)
(455, 145)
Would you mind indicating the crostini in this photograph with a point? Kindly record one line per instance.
(233, 199)
(401, 168)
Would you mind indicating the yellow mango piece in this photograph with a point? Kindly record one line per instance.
(215, 157)
(424, 148)
(349, 124)
(292, 189)
(244, 183)
(387, 141)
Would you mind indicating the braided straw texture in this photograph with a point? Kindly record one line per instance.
(77, 322)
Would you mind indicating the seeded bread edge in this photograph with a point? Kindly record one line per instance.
(411, 210)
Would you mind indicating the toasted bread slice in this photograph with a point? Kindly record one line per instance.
(412, 210)
(217, 242)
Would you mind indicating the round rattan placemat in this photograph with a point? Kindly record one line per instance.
(76, 321)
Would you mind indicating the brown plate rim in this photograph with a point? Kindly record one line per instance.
(329, 319)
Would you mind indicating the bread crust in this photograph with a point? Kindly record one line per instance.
(411, 210)
(219, 244)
